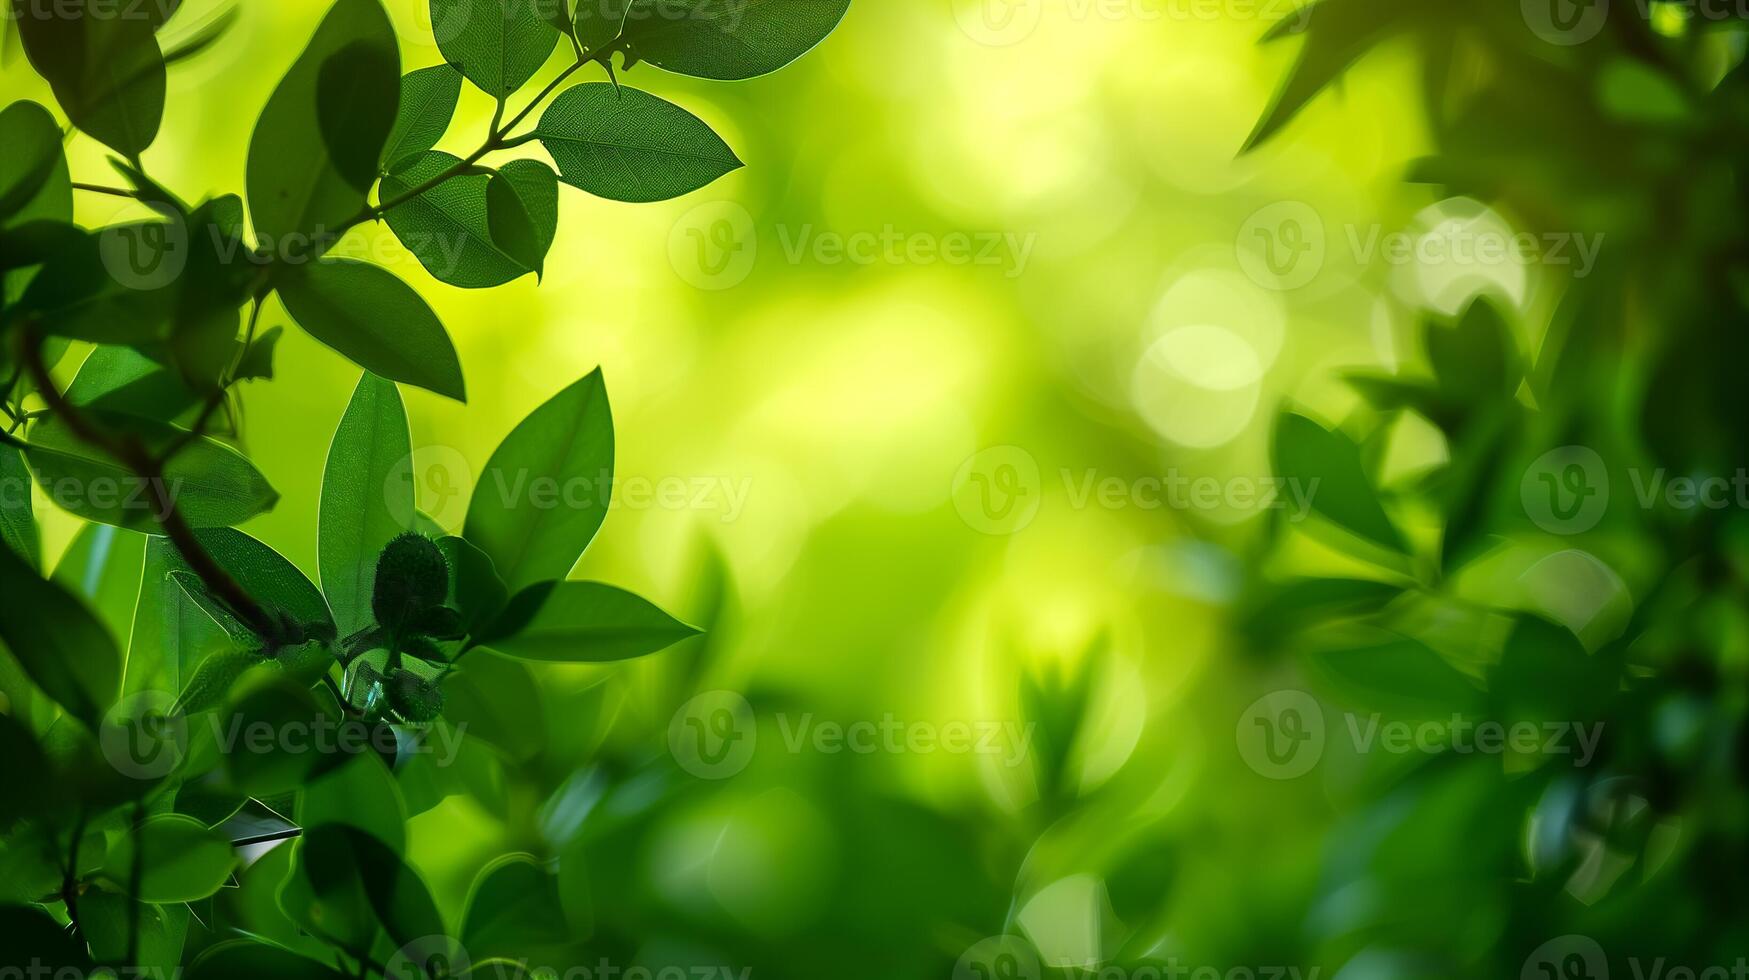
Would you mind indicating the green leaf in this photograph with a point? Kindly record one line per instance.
(170, 635)
(448, 228)
(257, 961)
(598, 23)
(106, 69)
(78, 293)
(183, 860)
(728, 40)
(361, 794)
(270, 702)
(267, 576)
(377, 321)
(214, 678)
(514, 909)
(125, 381)
(211, 484)
(364, 505)
(428, 100)
(475, 588)
(34, 182)
(627, 145)
(1327, 466)
(257, 360)
(1477, 359)
(58, 642)
(1398, 675)
(1340, 31)
(394, 892)
(522, 212)
(102, 566)
(106, 919)
(17, 518)
(315, 150)
(566, 441)
(497, 701)
(497, 44)
(581, 622)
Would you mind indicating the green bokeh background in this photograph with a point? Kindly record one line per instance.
(855, 404)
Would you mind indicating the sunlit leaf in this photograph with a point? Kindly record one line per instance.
(182, 859)
(728, 40)
(627, 145)
(497, 44)
(365, 502)
(105, 68)
(581, 622)
(1327, 464)
(428, 99)
(376, 320)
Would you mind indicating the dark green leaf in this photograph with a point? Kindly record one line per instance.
(497, 44)
(581, 622)
(627, 145)
(428, 99)
(360, 794)
(522, 211)
(316, 146)
(58, 642)
(1477, 359)
(106, 919)
(127, 382)
(496, 700)
(106, 69)
(1397, 675)
(214, 678)
(258, 961)
(34, 183)
(514, 908)
(267, 576)
(448, 228)
(598, 23)
(1327, 466)
(365, 501)
(566, 442)
(728, 40)
(17, 518)
(377, 321)
(257, 360)
(104, 287)
(475, 588)
(399, 898)
(183, 860)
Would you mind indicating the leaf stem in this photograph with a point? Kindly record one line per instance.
(104, 189)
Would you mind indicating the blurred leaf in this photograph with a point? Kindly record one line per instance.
(106, 919)
(34, 183)
(78, 293)
(257, 361)
(1327, 465)
(17, 517)
(581, 622)
(428, 100)
(1337, 33)
(448, 228)
(1545, 675)
(1477, 360)
(497, 44)
(396, 895)
(713, 39)
(62, 647)
(566, 441)
(214, 678)
(258, 961)
(106, 70)
(377, 321)
(514, 910)
(183, 860)
(125, 381)
(360, 793)
(628, 145)
(316, 145)
(496, 700)
(358, 516)
(1397, 675)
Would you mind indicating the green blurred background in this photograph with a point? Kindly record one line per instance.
(867, 410)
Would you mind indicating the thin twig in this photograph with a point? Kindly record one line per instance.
(112, 191)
